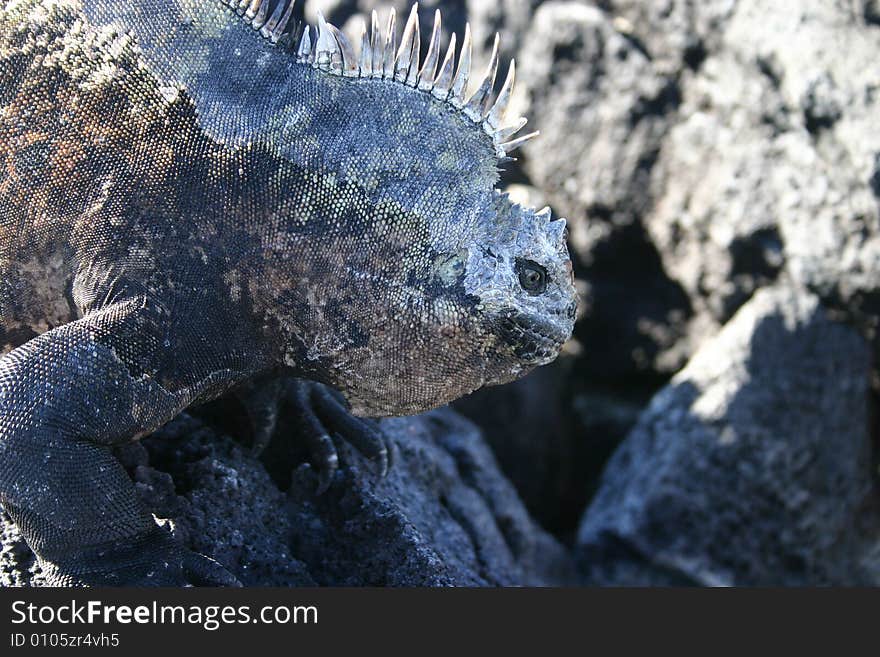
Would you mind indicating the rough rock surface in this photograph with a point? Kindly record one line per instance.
(529, 428)
(443, 516)
(772, 163)
(752, 467)
(604, 105)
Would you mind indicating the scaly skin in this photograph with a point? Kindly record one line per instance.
(184, 207)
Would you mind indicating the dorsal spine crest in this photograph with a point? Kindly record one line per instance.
(326, 48)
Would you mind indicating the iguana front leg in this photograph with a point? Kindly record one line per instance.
(66, 397)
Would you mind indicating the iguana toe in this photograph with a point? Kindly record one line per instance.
(362, 434)
(200, 570)
(322, 418)
(156, 559)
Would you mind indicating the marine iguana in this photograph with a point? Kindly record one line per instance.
(195, 193)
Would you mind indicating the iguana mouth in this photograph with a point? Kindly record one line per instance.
(534, 341)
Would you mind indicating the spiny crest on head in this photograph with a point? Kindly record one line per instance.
(555, 229)
(326, 48)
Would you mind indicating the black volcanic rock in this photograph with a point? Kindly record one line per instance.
(444, 515)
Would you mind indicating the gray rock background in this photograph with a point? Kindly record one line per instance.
(752, 467)
(719, 166)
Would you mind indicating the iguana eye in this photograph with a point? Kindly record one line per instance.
(532, 276)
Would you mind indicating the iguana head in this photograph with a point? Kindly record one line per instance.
(423, 282)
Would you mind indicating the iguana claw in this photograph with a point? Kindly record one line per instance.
(156, 559)
(362, 434)
(323, 420)
(200, 570)
(321, 445)
(323, 413)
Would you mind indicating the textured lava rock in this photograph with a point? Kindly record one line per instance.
(443, 516)
(752, 467)
(769, 166)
